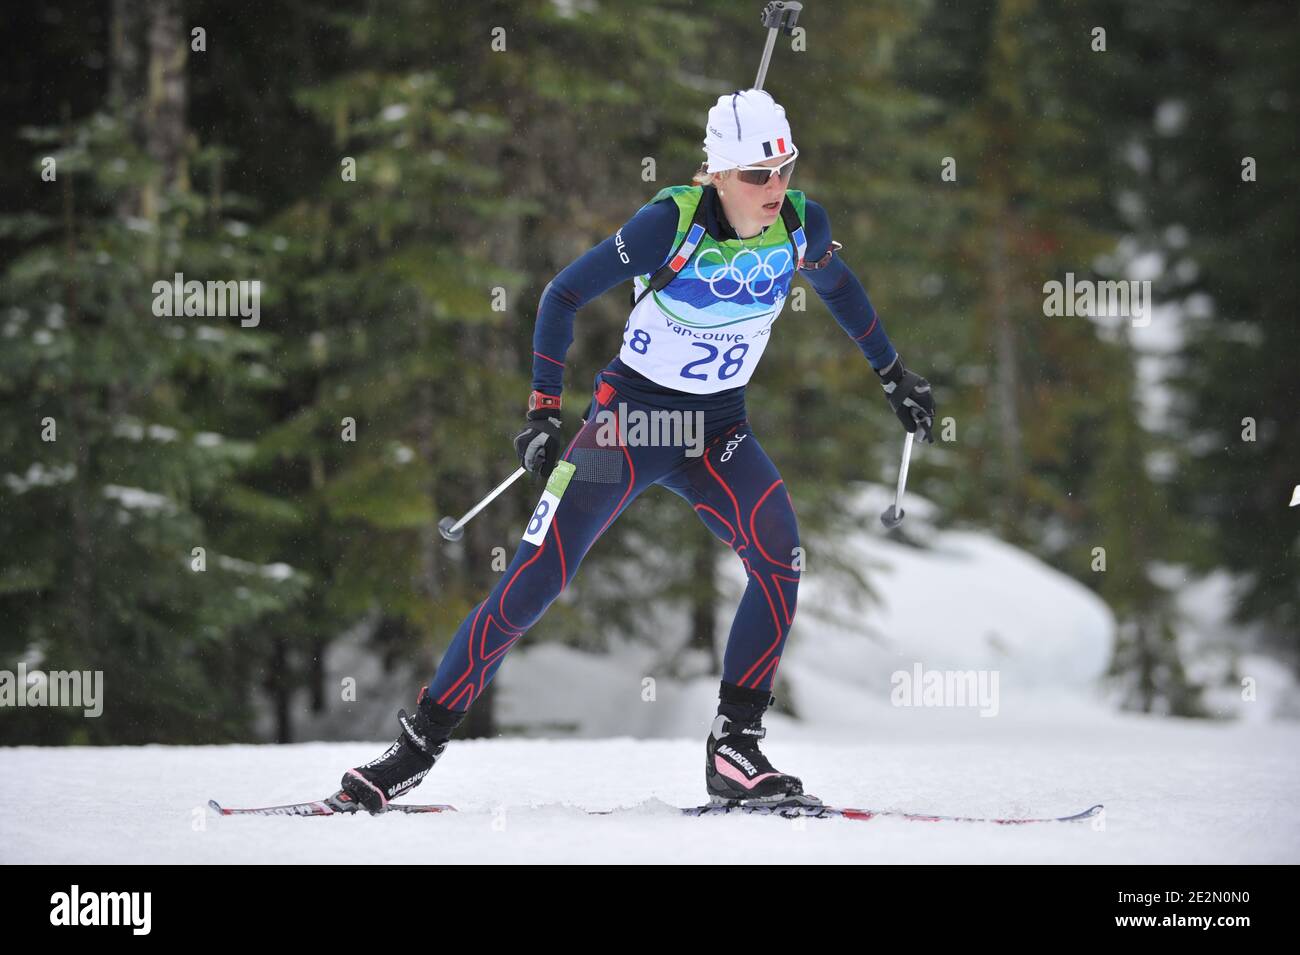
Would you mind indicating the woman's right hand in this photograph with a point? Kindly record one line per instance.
(538, 445)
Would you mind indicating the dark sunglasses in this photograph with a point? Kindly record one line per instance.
(759, 175)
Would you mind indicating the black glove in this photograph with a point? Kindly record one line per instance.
(910, 396)
(538, 445)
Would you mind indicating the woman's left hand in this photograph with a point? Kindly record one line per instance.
(911, 398)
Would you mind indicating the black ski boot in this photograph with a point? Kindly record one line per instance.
(400, 769)
(736, 773)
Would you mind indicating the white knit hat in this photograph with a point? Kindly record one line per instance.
(744, 129)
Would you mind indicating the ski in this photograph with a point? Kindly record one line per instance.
(338, 804)
(343, 804)
(863, 815)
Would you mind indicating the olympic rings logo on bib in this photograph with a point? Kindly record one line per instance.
(732, 271)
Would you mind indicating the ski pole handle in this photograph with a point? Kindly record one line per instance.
(454, 530)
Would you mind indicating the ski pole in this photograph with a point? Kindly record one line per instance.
(777, 15)
(893, 515)
(454, 530)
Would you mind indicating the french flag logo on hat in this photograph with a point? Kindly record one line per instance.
(779, 143)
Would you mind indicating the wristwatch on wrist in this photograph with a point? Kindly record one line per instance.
(541, 401)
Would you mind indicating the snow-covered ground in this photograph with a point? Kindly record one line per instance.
(1174, 790)
(613, 730)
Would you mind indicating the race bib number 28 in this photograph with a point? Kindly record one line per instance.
(540, 522)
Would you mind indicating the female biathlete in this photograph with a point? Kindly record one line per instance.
(711, 266)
